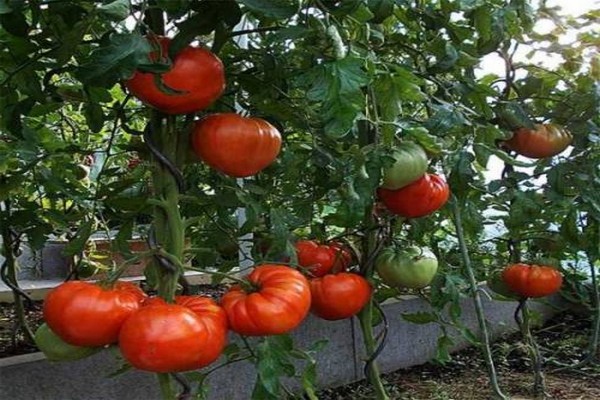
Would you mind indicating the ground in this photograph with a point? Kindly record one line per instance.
(563, 339)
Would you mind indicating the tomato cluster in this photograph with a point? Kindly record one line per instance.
(407, 189)
(336, 294)
(234, 145)
(156, 336)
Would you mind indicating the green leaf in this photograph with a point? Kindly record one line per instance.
(94, 116)
(117, 10)
(338, 86)
(115, 61)
(14, 23)
(444, 344)
(279, 9)
(77, 245)
(420, 317)
(381, 9)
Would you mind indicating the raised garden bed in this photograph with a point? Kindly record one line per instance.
(339, 363)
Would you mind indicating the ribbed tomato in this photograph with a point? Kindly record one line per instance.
(88, 314)
(162, 337)
(417, 199)
(315, 258)
(277, 303)
(532, 280)
(196, 73)
(236, 145)
(545, 140)
(339, 296)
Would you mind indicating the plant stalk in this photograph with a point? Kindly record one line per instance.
(166, 388)
(487, 351)
(365, 316)
(539, 383)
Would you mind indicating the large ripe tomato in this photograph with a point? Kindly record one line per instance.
(411, 267)
(315, 258)
(87, 314)
(56, 349)
(532, 280)
(417, 199)
(339, 296)
(162, 337)
(545, 140)
(236, 145)
(278, 304)
(196, 73)
(410, 164)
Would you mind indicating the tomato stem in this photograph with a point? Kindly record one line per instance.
(487, 351)
(166, 388)
(524, 323)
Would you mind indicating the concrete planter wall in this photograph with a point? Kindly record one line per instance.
(32, 377)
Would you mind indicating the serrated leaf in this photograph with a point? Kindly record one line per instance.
(338, 86)
(420, 317)
(115, 61)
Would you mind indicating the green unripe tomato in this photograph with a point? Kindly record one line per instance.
(56, 349)
(412, 267)
(410, 164)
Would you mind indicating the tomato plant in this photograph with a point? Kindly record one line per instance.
(532, 280)
(56, 349)
(196, 77)
(339, 296)
(410, 164)
(417, 199)
(89, 314)
(163, 337)
(236, 145)
(545, 140)
(497, 285)
(411, 267)
(276, 302)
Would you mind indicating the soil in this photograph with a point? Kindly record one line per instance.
(563, 339)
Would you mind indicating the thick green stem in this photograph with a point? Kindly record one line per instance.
(366, 324)
(169, 226)
(539, 384)
(166, 388)
(366, 315)
(487, 351)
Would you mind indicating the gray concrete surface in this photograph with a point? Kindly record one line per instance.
(33, 378)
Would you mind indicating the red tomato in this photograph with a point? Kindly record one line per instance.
(343, 256)
(546, 140)
(164, 337)
(339, 296)
(317, 259)
(236, 145)
(196, 72)
(279, 303)
(417, 199)
(532, 280)
(87, 314)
